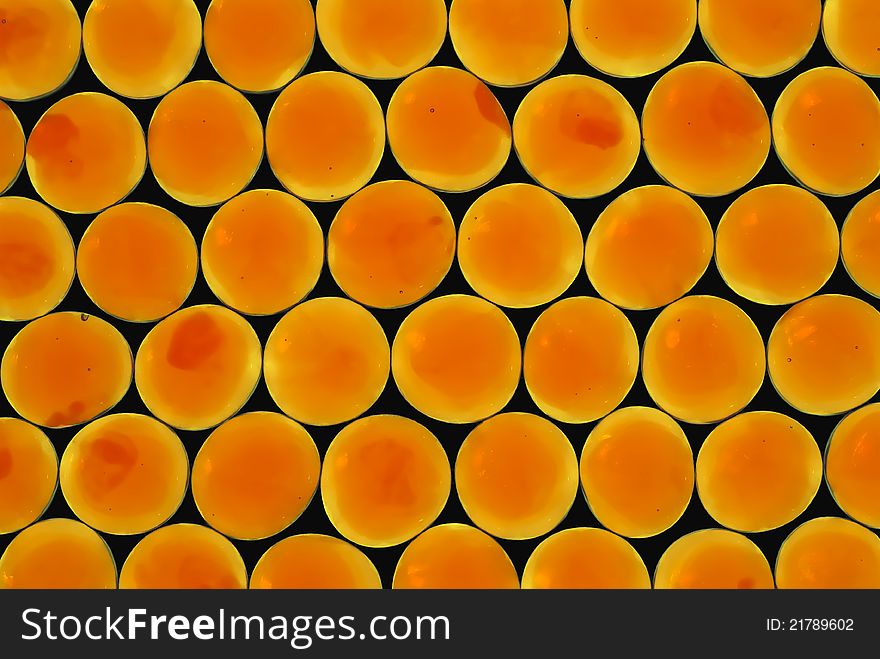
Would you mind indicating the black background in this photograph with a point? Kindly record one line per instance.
(314, 519)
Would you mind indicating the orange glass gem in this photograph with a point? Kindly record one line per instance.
(516, 475)
(311, 561)
(457, 359)
(852, 33)
(760, 38)
(703, 359)
(184, 556)
(829, 552)
(142, 48)
(649, 247)
(28, 474)
(327, 361)
(137, 262)
(325, 136)
(632, 38)
(255, 475)
(826, 131)
(86, 153)
(262, 252)
(509, 42)
(455, 556)
(12, 151)
(65, 369)
(713, 559)
(519, 246)
(705, 129)
(198, 367)
(259, 45)
(577, 136)
(581, 359)
(860, 243)
(447, 130)
(36, 259)
(382, 38)
(637, 471)
(124, 474)
(585, 558)
(391, 244)
(824, 354)
(57, 554)
(758, 471)
(39, 47)
(852, 465)
(777, 244)
(205, 142)
(385, 480)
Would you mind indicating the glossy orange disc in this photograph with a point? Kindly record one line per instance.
(447, 130)
(12, 151)
(455, 556)
(137, 262)
(28, 474)
(385, 480)
(852, 465)
(860, 244)
(851, 29)
(255, 475)
(391, 244)
(262, 252)
(65, 369)
(311, 561)
(86, 153)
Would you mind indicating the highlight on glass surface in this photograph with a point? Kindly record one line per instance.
(577, 136)
(262, 252)
(759, 38)
(142, 48)
(455, 556)
(255, 475)
(12, 149)
(758, 471)
(585, 558)
(850, 29)
(777, 244)
(65, 369)
(391, 244)
(259, 45)
(521, 449)
(325, 136)
(519, 246)
(509, 43)
(650, 246)
(86, 153)
(705, 129)
(852, 465)
(327, 361)
(385, 479)
(829, 553)
(447, 130)
(632, 38)
(637, 472)
(457, 359)
(59, 554)
(581, 359)
(124, 474)
(860, 243)
(381, 39)
(823, 355)
(36, 259)
(826, 131)
(137, 262)
(40, 45)
(28, 474)
(198, 367)
(714, 559)
(312, 561)
(183, 557)
(205, 142)
(703, 359)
